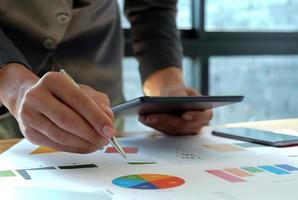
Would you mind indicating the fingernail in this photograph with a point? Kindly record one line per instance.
(108, 131)
(187, 117)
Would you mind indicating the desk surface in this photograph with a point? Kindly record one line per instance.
(168, 150)
(262, 125)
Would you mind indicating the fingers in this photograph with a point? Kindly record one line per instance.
(95, 95)
(188, 123)
(38, 138)
(56, 134)
(172, 124)
(61, 115)
(38, 121)
(192, 92)
(79, 102)
(57, 113)
(204, 116)
(99, 98)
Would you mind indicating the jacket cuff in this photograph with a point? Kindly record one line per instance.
(154, 60)
(9, 53)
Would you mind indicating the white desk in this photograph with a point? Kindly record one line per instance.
(169, 153)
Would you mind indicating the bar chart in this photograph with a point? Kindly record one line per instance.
(237, 175)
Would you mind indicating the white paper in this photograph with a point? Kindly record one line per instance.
(287, 132)
(19, 190)
(182, 157)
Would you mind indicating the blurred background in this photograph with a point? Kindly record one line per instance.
(234, 47)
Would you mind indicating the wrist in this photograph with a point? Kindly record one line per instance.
(160, 82)
(15, 79)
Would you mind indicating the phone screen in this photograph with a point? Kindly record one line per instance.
(257, 136)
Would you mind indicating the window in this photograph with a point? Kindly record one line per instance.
(184, 14)
(269, 84)
(251, 15)
(237, 47)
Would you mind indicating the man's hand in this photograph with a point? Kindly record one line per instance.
(53, 112)
(169, 82)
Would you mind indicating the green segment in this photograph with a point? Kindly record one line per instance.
(141, 163)
(252, 169)
(132, 177)
(78, 166)
(6, 173)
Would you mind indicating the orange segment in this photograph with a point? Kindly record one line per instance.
(42, 149)
(168, 183)
(153, 177)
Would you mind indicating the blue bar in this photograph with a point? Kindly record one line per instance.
(287, 167)
(24, 174)
(273, 170)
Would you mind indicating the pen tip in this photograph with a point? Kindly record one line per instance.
(124, 156)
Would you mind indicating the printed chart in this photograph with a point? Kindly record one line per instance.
(148, 181)
(46, 150)
(43, 150)
(126, 150)
(235, 147)
(161, 168)
(223, 148)
(235, 175)
(24, 172)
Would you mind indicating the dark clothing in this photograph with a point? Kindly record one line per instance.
(85, 38)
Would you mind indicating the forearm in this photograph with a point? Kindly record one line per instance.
(14, 80)
(163, 82)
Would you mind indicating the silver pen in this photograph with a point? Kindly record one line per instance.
(112, 140)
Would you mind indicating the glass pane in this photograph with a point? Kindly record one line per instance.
(183, 16)
(133, 88)
(269, 84)
(124, 21)
(251, 15)
(132, 80)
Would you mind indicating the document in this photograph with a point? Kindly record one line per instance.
(160, 167)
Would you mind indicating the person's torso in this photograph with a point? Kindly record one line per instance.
(82, 36)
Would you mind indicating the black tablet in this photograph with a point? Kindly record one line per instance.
(175, 105)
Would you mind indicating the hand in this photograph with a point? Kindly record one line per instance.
(53, 112)
(188, 123)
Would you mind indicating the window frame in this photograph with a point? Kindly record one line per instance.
(200, 45)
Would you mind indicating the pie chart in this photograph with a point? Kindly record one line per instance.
(148, 181)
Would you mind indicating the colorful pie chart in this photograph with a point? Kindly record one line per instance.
(148, 181)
